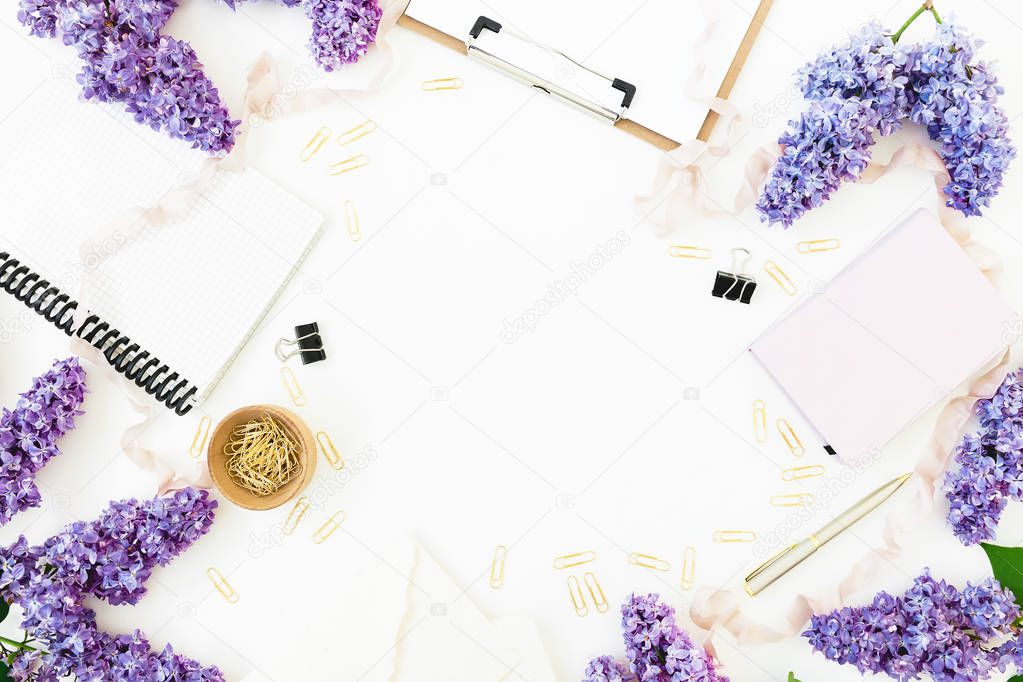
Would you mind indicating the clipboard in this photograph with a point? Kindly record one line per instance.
(482, 31)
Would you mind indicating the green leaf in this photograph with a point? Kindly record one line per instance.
(5, 609)
(792, 677)
(1007, 566)
(5, 671)
(1016, 678)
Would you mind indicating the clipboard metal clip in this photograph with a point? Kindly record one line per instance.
(597, 109)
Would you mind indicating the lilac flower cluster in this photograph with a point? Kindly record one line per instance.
(343, 30)
(29, 433)
(159, 79)
(955, 97)
(990, 463)
(657, 649)
(127, 60)
(606, 669)
(871, 85)
(932, 630)
(109, 558)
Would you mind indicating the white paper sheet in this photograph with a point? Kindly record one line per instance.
(652, 45)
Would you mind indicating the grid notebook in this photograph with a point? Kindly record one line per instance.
(171, 305)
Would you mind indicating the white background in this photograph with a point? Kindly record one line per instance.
(621, 423)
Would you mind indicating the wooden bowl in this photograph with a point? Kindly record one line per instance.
(217, 460)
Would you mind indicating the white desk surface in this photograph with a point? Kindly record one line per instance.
(620, 423)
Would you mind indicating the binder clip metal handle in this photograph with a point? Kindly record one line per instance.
(483, 23)
(735, 285)
(308, 345)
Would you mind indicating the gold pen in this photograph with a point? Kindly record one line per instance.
(792, 556)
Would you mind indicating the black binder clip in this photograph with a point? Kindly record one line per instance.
(736, 285)
(309, 345)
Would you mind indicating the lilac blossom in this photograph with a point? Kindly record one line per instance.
(606, 669)
(869, 66)
(932, 630)
(657, 649)
(990, 465)
(29, 433)
(956, 99)
(828, 145)
(342, 31)
(109, 558)
(126, 59)
(937, 83)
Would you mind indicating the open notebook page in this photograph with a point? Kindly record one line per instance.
(190, 292)
(654, 44)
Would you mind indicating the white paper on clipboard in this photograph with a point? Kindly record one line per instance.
(651, 44)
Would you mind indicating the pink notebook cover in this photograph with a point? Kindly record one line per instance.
(898, 329)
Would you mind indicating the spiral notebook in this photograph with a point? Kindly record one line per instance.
(171, 305)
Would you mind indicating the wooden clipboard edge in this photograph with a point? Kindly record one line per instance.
(628, 126)
(433, 34)
(735, 68)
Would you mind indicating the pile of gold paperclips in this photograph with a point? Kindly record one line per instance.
(262, 456)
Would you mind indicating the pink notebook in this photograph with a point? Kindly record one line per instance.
(896, 331)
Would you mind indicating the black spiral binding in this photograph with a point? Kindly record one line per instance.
(126, 357)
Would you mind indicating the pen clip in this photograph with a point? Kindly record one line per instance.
(770, 562)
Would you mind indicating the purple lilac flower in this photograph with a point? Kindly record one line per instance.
(937, 83)
(829, 144)
(343, 30)
(109, 558)
(868, 66)
(956, 99)
(990, 465)
(127, 60)
(932, 630)
(657, 649)
(606, 669)
(29, 433)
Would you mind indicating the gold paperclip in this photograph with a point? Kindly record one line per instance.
(648, 561)
(296, 514)
(329, 451)
(352, 222)
(292, 387)
(596, 592)
(497, 566)
(779, 276)
(453, 83)
(687, 251)
(818, 245)
(793, 500)
(788, 435)
(229, 594)
(314, 144)
(359, 131)
(575, 590)
(734, 536)
(688, 568)
(348, 165)
(799, 473)
(576, 559)
(760, 421)
(327, 529)
(202, 432)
